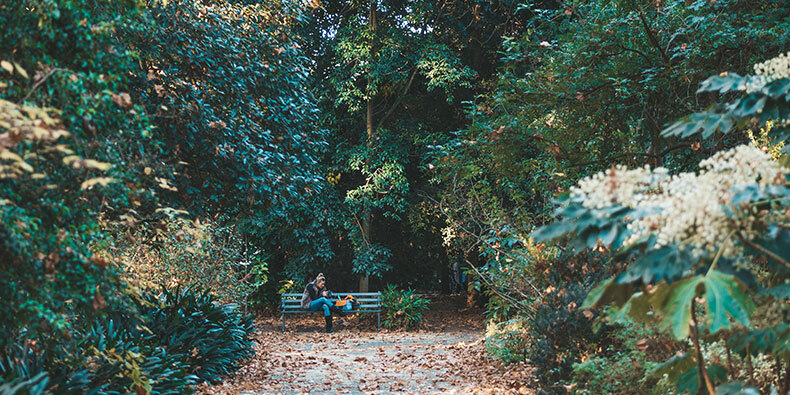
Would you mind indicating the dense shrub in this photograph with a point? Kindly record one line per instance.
(627, 366)
(211, 337)
(562, 335)
(175, 340)
(508, 340)
(178, 252)
(402, 308)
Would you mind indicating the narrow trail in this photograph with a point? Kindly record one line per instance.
(446, 355)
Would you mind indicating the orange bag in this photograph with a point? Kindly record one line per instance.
(348, 298)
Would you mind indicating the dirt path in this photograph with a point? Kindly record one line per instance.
(446, 356)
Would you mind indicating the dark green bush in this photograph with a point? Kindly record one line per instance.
(211, 337)
(402, 308)
(176, 340)
(25, 386)
(562, 334)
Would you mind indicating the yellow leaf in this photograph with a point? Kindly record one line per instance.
(103, 181)
(72, 160)
(7, 66)
(21, 71)
(94, 164)
(40, 133)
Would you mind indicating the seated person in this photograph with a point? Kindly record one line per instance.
(316, 298)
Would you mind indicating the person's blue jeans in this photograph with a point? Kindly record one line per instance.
(321, 303)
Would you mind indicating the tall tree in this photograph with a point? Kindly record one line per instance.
(392, 75)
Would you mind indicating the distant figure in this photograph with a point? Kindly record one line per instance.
(315, 297)
(457, 278)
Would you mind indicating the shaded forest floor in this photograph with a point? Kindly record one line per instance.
(445, 355)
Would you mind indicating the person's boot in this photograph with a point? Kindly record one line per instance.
(328, 324)
(337, 310)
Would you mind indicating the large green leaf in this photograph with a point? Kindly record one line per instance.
(667, 263)
(775, 340)
(705, 123)
(725, 300)
(723, 83)
(723, 293)
(776, 240)
(677, 310)
(736, 388)
(674, 366)
(588, 226)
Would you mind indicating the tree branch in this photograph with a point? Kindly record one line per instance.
(41, 82)
(400, 98)
(652, 37)
(762, 249)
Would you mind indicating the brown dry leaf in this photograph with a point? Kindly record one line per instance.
(160, 90)
(122, 99)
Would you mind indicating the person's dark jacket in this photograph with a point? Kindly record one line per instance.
(311, 293)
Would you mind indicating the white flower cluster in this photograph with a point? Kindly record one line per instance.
(619, 185)
(776, 68)
(768, 71)
(686, 208)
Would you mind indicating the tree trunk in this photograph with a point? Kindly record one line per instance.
(363, 283)
(370, 134)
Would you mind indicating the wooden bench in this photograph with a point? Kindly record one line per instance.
(369, 302)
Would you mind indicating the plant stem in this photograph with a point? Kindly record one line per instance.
(760, 248)
(730, 373)
(749, 366)
(719, 252)
(704, 378)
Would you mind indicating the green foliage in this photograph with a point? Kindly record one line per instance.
(562, 335)
(391, 77)
(764, 102)
(227, 84)
(402, 308)
(677, 274)
(211, 338)
(508, 340)
(622, 372)
(172, 342)
(24, 386)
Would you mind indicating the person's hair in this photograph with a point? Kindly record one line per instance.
(320, 277)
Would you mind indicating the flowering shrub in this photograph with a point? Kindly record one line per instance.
(688, 208)
(703, 250)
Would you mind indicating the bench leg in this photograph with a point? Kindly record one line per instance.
(379, 322)
(283, 314)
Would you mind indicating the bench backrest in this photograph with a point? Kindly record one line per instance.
(368, 301)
